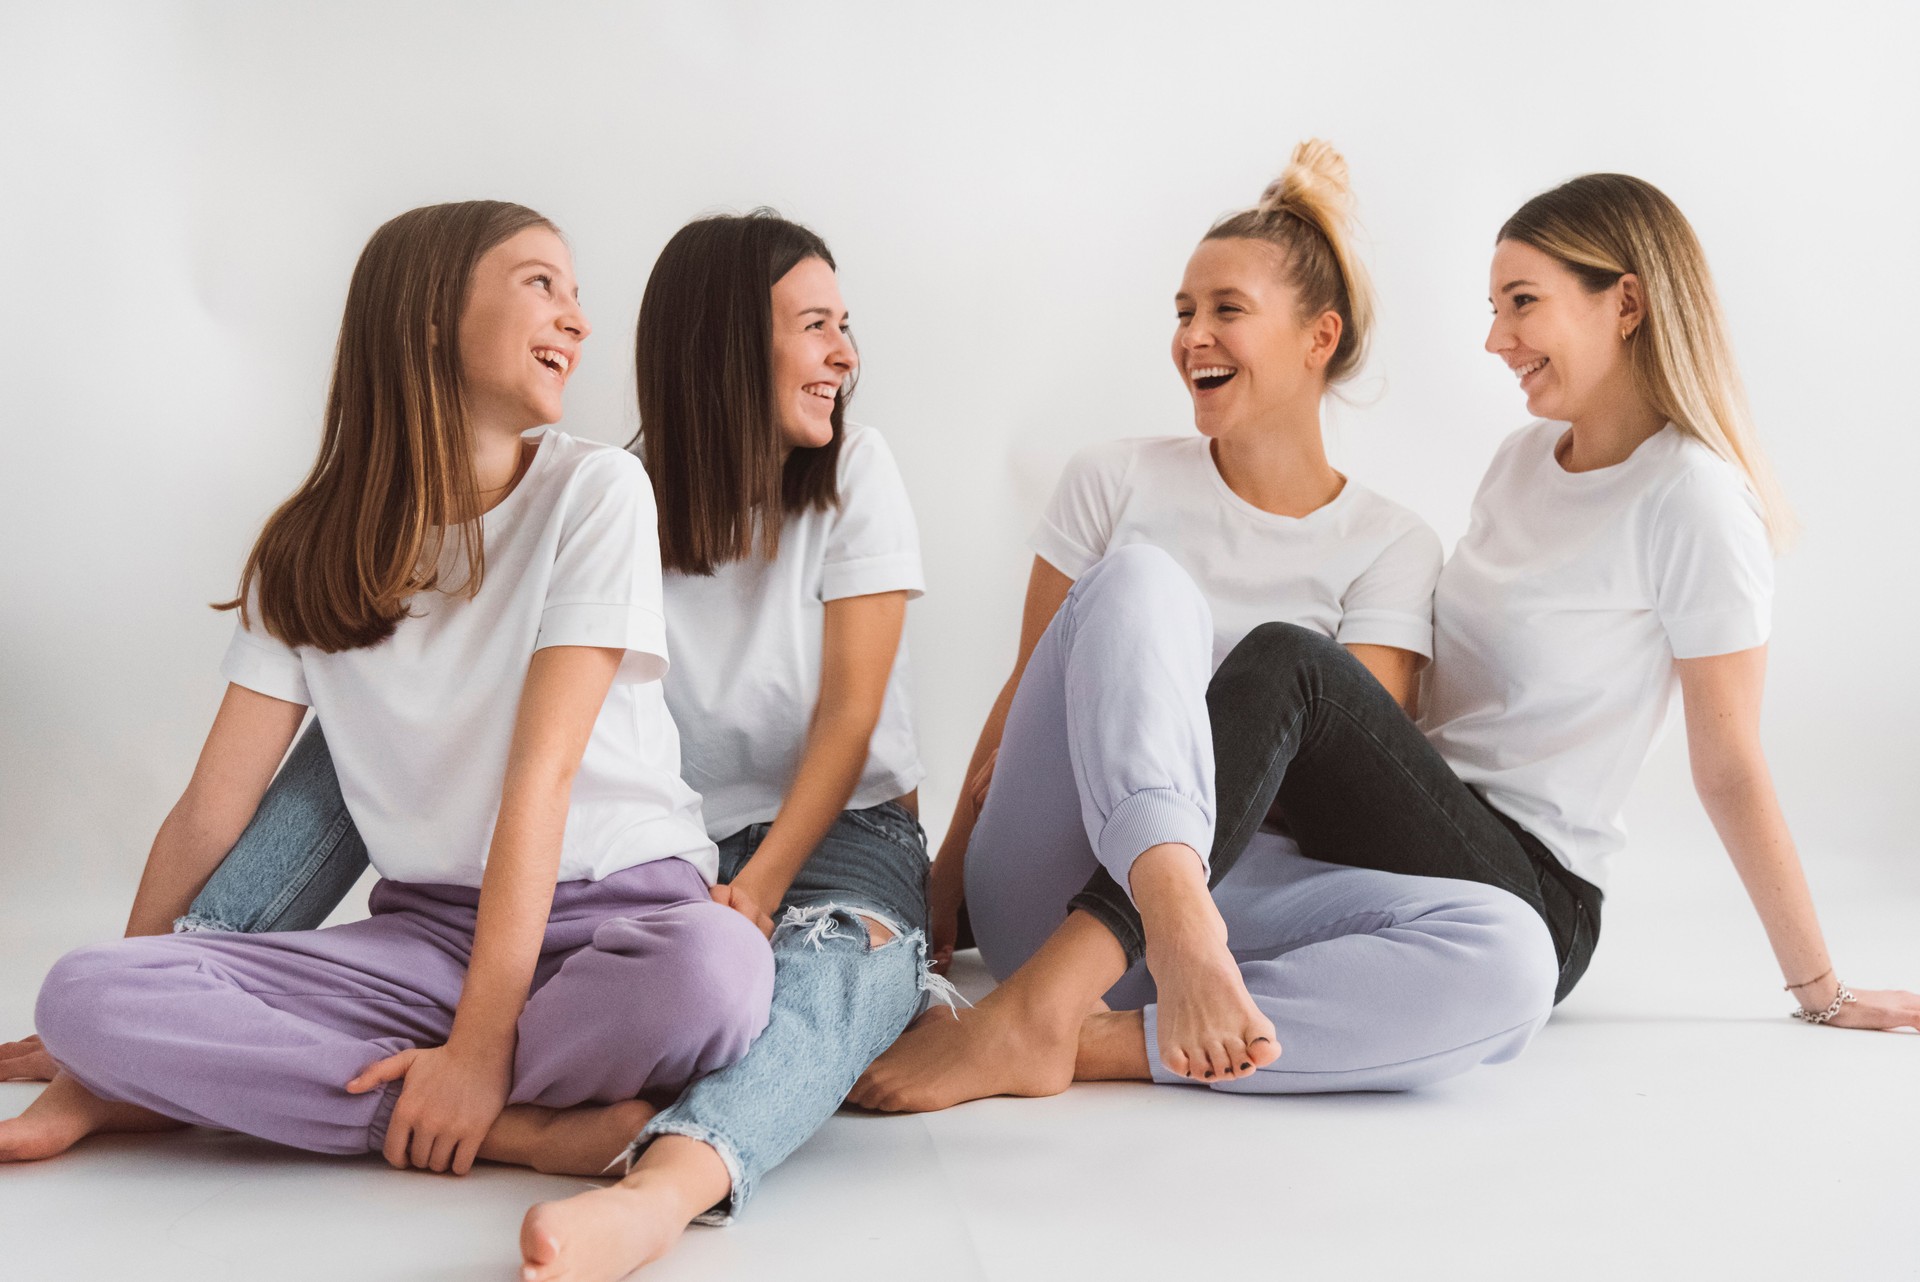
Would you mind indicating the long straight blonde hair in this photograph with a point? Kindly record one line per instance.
(1603, 226)
(336, 563)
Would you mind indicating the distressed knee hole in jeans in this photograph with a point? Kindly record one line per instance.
(821, 922)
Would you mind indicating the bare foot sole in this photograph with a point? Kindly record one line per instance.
(1003, 1046)
(587, 1140)
(1210, 1028)
(66, 1113)
(599, 1236)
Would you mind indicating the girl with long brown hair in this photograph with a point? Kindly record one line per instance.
(476, 616)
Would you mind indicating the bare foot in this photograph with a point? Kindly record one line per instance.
(1019, 1040)
(66, 1113)
(608, 1233)
(26, 1061)
(1210, 1028)
(587, 1140)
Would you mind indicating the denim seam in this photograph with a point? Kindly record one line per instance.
(335, 834)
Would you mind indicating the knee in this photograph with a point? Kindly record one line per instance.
(1521, 971)
(1143, 577)
(77, 997)
(717, 968)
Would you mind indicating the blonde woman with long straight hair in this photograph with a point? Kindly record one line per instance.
(1114, 854)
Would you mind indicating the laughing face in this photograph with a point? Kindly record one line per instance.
(813, 354)
(1562, 342)
(1239, 344)
(521, 331)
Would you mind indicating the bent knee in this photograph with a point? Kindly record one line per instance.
(1144, 575)
(713, 961)
(76, 998)
(1520, 969)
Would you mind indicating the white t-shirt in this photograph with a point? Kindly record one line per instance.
(1559, 616)
(419, 725)
(1359, 570)
(747, 645)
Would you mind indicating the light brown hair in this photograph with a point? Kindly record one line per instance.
(335, 565)
(723, 479)
(1307, 213)
(1600, 227)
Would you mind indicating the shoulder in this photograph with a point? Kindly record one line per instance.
(590, 468)
(1696, 487)
(864, 451)
(1113, 462)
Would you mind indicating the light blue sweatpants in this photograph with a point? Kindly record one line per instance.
(1373, 980)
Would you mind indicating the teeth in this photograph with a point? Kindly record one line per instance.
(546, 355)
(826, 391)
(1211, 371)
(1523, 370)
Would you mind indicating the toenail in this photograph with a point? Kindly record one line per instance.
(1245, 1067)
(1209, 1072)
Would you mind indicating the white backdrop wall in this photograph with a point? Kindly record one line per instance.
(1011, 191)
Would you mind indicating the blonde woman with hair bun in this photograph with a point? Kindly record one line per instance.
(1120, 878)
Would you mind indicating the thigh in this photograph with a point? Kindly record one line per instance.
(872, 860)
(1029, 853)
(1304, 732)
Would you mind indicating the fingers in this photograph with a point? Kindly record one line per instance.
(464, 1155)
(440, 1152)
(399, 1137)
(392, 1068)
(420, 1149)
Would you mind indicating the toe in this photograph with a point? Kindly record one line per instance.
(1263, 1049)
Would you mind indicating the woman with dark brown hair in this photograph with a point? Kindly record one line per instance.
(476, 615)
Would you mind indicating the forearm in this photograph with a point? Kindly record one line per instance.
(187, 849)
(830, 767)
(1746, 814)
(516, 897)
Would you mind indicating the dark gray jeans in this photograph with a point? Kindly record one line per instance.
(1302, 731)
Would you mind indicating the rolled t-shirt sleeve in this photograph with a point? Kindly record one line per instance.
(873, 544)
(1076, 528)
(262, 662)
(1711, 564)
(605, 588)
(1391, 602)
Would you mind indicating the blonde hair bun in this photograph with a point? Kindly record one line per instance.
(1314, 184)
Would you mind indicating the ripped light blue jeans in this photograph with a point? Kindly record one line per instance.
(838, 1001)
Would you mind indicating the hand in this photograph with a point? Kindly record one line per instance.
(982, 780)
(445, 1109)
(740, 898)
(1885, 1009)
(26, 1061)
(945, 893)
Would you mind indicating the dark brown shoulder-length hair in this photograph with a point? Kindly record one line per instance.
(703, 368)
(334, 566)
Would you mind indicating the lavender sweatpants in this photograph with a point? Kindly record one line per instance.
(643, 984)
(1375, 981)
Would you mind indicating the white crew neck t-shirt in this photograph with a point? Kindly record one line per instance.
(747, 644)
(1559, 616)
(1359, 569)
(419, 725)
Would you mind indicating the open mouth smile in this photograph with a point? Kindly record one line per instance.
(1208, 377)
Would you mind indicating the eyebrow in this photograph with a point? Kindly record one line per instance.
(823, 311)
(1229, 291)
(536, 262)
(1512, 285)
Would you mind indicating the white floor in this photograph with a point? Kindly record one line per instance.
(1669, 1123)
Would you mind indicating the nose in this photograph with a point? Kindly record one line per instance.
(844, 357)
(1499, 337)
(574, 322)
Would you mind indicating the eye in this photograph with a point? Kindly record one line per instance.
(1184, 314)
(1521, 301)
(1224, 308)
(544, 281)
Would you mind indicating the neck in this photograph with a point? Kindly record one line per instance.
(1610, 433)
(1279, 464)
(499, 456)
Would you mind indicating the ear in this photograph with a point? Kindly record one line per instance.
(1633, 304)
(1325, 339)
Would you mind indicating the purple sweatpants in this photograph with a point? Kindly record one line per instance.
(643, 984)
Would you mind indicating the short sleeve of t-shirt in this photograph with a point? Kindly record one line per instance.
(873, 544)
(1077, 526)
(605, 587)
(263, 662)
(1711, 564)
(1391, 602)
